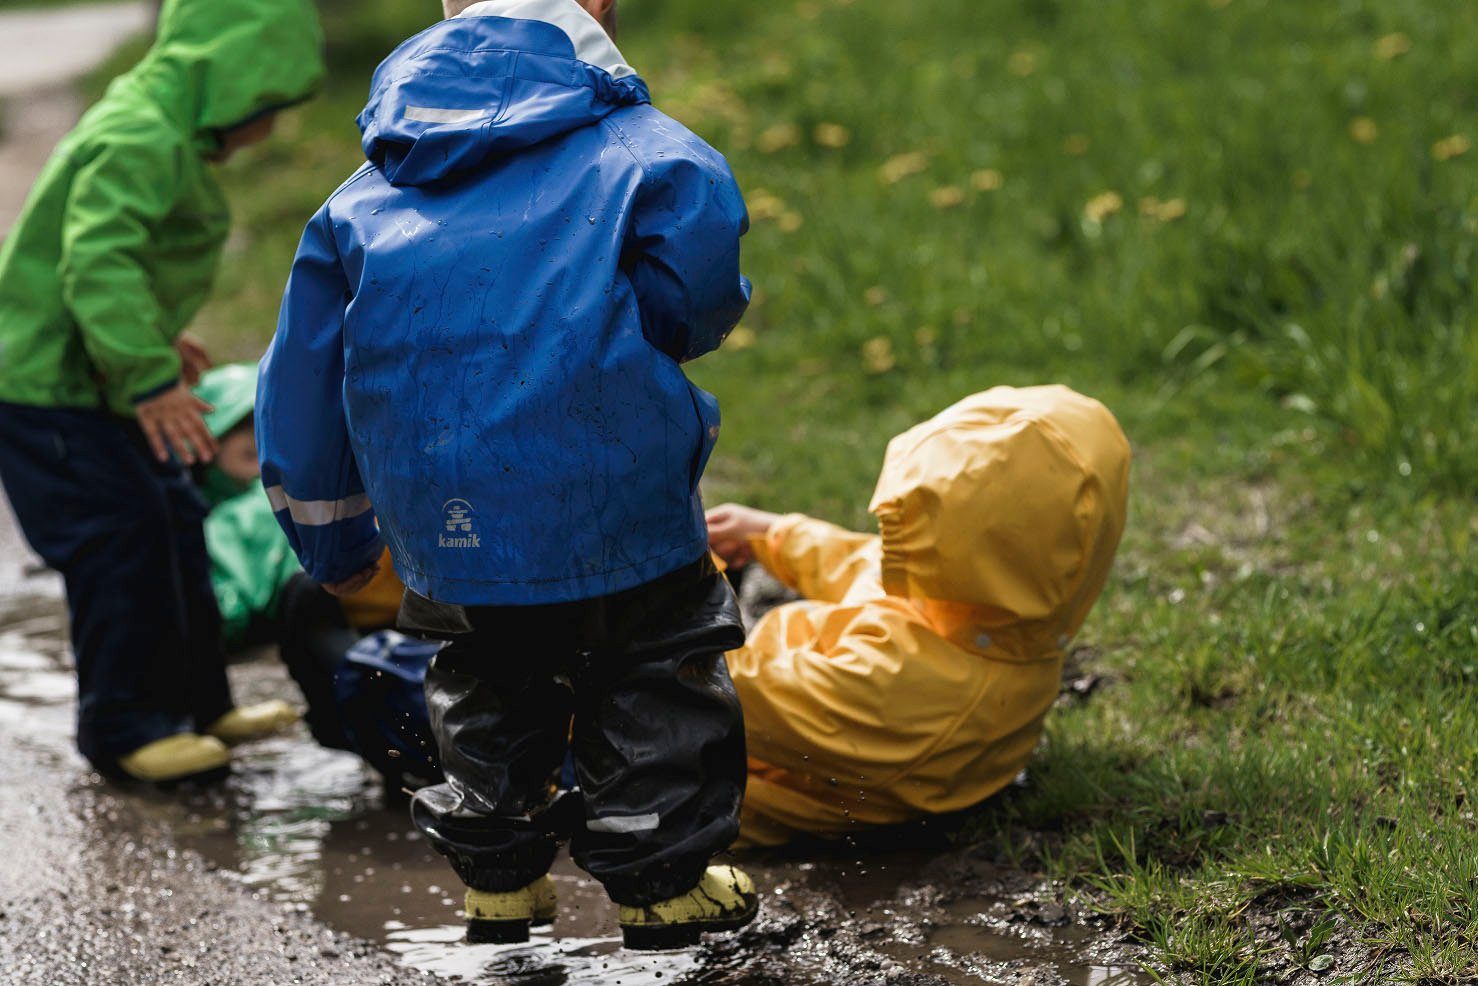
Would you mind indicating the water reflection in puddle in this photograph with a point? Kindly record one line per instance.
(310, 829)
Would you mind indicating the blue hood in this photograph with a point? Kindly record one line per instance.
(475, 86)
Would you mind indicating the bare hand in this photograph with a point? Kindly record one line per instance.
(172, 422)
(194, 360)
(353, 583)
(731, 526)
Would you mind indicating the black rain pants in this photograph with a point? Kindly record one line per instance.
(636, 685)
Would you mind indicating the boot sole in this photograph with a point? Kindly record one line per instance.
(203, 778)
(497, 932)
(662, 937)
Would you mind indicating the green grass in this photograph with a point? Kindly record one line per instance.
(1244, 225)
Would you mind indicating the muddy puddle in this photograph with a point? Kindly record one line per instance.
(311, 830)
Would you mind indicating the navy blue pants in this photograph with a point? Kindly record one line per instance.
(125, 531)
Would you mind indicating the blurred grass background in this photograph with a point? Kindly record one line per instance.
(1247, 226)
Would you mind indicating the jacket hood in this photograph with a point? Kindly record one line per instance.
(232, 391)
(1002, 513)
(503, 75)
(216, 64)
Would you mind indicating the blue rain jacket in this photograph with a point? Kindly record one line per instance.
(480, 340)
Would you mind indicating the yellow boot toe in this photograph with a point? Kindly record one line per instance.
(724, 900)
(251, 722)
(504, 918)
(176, 758)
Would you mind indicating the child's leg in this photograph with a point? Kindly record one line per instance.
(501, 721)
(205, 653)
(90, 503)
(659, 747)
(312, 638)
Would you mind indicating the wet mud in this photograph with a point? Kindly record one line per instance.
(312, 833)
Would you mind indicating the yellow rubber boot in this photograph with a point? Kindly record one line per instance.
(724, 900)
(251, 722)
(504, 918)
(176, 758)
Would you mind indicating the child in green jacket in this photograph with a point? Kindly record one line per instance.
(111, 258)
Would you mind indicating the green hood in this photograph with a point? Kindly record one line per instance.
(232, 391)
(121, 235)
(216, 64)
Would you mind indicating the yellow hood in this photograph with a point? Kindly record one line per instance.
(1001, 514)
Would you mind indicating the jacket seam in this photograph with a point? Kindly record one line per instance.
(364, 169)
(621, 136)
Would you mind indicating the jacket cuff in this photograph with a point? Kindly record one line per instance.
(769, 548)
(350, 563)
(155, 391)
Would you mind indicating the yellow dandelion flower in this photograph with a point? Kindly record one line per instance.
(1166, 211)
(947, 196)
(1077, 144)
(875, 296)
(791, 221)
(1392, 45)
(778, 138)
(832, 135)
(1450, 147)
(877, 355)
(1103, 205)
(1171, 210)
(741, 338)
(987, 180)
(1363, 130)
(926, 336)
(1022, 63)
(895, 169)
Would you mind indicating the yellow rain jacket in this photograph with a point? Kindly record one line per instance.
(915, 675)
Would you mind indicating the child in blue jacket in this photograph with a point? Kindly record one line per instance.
(478, 361)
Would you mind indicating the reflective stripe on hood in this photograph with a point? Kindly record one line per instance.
(504, 75)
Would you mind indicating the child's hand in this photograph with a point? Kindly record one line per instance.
(172, 421)
(194, 360)
(353, 583)
(730, 527)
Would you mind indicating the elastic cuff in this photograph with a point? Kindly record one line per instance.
(769, 548)
(153, 392)
(359, 559)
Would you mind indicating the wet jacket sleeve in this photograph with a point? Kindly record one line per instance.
(308, 466)
(683, 258)
(115, 201)
(816, 559)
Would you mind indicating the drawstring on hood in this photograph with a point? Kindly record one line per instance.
(502, 75)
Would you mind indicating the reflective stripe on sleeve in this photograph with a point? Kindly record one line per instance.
(318, 513)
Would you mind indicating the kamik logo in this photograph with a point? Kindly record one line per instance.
(457, 517)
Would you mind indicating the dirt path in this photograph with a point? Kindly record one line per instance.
(41, 53)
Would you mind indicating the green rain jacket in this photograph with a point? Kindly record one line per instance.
(119, 241)
(250, 559)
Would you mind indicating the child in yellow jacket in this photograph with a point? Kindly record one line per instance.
(914, 676)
